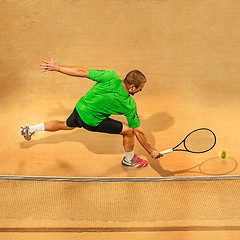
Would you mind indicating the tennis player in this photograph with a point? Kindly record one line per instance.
(110, 95)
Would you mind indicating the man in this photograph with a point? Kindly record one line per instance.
(110, 95)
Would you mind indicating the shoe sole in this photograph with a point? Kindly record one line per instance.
(136, 166)
(28, 138)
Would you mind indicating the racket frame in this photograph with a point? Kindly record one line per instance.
(184, 140)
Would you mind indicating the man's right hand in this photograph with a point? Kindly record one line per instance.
(155, 154)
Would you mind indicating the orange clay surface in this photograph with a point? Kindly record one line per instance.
(189, 52)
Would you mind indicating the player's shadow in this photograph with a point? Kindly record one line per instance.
(101, 143)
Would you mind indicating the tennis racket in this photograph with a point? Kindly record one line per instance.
(198, 141)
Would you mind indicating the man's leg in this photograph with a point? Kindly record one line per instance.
(56, 125)
(51, 126)
(116, 127)
(130, 159)
(128, 138)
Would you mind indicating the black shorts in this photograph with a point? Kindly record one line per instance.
(107, 125)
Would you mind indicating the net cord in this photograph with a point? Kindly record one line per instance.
(161, 220)
(119, 179)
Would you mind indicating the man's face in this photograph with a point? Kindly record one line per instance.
(134, 90)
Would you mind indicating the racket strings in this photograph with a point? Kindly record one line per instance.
(200, 141)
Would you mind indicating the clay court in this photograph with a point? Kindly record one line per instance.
(189, 52)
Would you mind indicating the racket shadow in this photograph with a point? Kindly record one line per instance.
(211, 167)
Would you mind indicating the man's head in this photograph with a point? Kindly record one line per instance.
(134, 81)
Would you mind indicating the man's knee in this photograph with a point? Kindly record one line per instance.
(127, 130)
(66, 127)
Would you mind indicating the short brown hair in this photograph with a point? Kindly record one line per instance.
(135, 77)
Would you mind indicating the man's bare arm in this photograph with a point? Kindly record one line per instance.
(144, 142)
(72, 71)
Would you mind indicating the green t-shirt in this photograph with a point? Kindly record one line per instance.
(107, 97)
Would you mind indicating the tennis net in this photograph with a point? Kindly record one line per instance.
(120, 199)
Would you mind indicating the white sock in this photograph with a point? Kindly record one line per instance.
(129, 155)
(39, 127)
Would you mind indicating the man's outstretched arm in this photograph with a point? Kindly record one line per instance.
(72, 71)
(144, 142)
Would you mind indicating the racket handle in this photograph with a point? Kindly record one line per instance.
(166, 151)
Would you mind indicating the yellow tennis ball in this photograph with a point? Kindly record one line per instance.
(223, 154)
